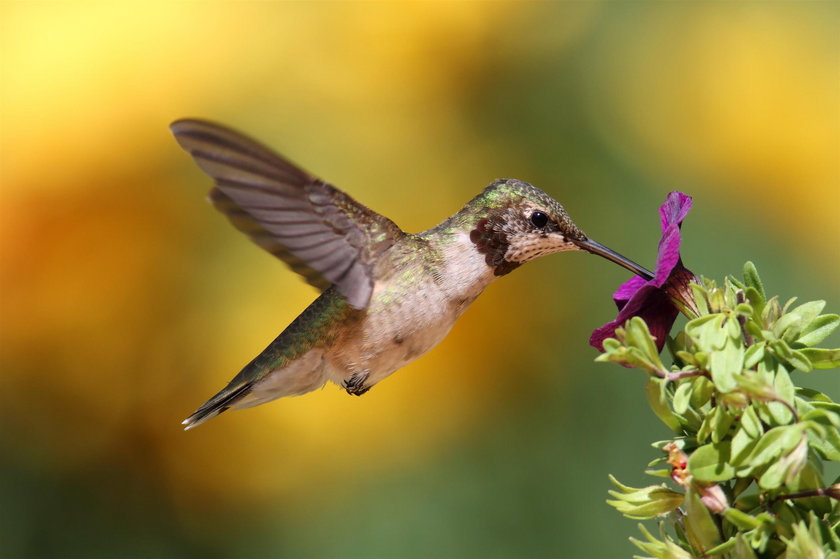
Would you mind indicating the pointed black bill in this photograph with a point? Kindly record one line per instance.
(597, 248)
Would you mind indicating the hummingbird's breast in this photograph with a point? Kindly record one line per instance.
(423, 286)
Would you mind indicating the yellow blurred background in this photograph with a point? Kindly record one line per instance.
(126, 300)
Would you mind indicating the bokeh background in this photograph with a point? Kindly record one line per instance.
(126, 300)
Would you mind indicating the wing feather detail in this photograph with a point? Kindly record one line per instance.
(317, 230)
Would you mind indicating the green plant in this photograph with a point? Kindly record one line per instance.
(746, 460)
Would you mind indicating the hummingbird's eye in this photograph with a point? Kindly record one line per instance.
(539, 219)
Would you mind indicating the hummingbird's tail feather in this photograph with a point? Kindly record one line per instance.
(262, 381)
(217, 404)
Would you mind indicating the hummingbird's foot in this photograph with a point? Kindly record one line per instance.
(355, 385)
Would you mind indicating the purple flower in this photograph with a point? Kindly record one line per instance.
(655, 300)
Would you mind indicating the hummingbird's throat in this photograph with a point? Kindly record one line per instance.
(491, 240)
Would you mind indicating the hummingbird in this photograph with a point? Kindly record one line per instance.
(387, 296)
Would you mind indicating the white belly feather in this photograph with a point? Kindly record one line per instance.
(411, 314)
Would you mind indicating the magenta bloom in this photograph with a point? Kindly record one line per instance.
(653, 300)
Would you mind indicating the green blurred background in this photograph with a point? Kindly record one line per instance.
(127, 300)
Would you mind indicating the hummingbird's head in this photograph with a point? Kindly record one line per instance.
(518, 222)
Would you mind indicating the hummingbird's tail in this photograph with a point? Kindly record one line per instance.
(217, 404)
(264, 379)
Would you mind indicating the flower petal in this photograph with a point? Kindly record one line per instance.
(627, 290)
(650, 303)
(671, 214)
(674, 209)
(651, 300)
(669, 255)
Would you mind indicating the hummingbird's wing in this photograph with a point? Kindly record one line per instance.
(320, 232)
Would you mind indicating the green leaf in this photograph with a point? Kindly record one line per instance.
(703, 391)
(822, 358)
(751, 424)
(655, 391)
(785, 322)
(812, 395)
(806, 313)
(786, 517)
(644, 502)
(659, 473)
(815, 426)
(805, 543)
(773, 476)
(744, 309)
(742, 549)
(650, 509)
(700, 296)
(819, 329)
(833, 536)
(629, 356)
(750, 501)
(828, 446)
(710, 462)
(691, 420)
(742, 444)
(741, 520)
(751, 279)
(736, 282)
(676, 347)
(785, 469)
(771, 312)
(741, 485)
(705, 430)
(660, 549)
(773, 444)
(833, 407)
(721, 424)
(611, 344)
(638, 335)
(682, 397)
(707, 332)
(783, 387)
(725, 363)
(790, 325)
(759, 538)
(754, 329)
(823, 416)
(633, 347)
(719, 549)
(746, 437)
(788, 304)
(755, 385)
(754, 354)
(658, 460)
(717, 301)
(626, 489)
(795, 358)
(700, 527)
(684, 357)
(755, 299)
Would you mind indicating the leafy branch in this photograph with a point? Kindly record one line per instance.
(745, 463)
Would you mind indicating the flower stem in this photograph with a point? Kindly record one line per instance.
(677, 375)
(832, 492)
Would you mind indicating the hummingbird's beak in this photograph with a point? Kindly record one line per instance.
(597, 248)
